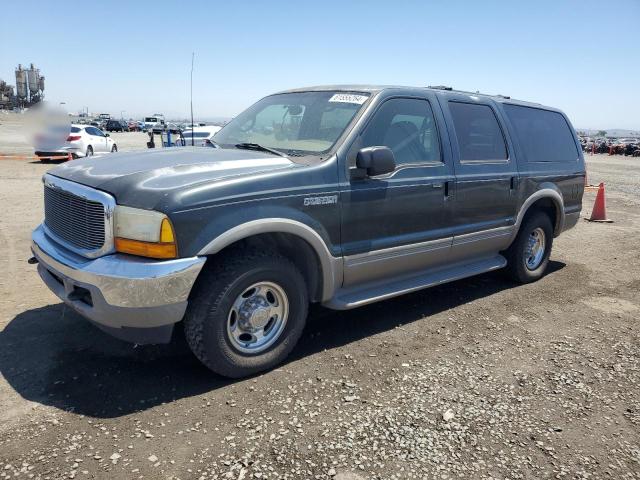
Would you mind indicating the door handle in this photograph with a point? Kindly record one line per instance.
(448, 189)
(513, 185)
(436, 185)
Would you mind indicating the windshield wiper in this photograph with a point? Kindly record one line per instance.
(255, 146)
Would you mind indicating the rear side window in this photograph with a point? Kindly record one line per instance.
(75, 130)
(478, 132)
(543, 135)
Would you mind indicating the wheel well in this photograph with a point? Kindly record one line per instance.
(547, 206)
(291, 246)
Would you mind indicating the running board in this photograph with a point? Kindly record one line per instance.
(353, 297)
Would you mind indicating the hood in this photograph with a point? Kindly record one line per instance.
(142, 178)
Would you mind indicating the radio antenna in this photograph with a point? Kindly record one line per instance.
(192, 139)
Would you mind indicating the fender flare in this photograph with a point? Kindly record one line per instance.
(331, 267)
(545, 192)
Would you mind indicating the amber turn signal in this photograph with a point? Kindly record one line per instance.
(166, 232)
(147, 249)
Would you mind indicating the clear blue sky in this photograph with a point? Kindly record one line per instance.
(581, 56)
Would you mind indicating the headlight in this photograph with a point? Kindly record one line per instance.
(144, 232)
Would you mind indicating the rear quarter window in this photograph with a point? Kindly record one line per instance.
(478, 132)
(544, 136)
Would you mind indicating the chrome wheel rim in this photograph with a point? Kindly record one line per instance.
(258, 317)
(534, 250)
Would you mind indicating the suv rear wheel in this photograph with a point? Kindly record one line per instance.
(528, 255)
(247, 312)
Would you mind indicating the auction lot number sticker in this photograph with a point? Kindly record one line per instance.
(349, 98)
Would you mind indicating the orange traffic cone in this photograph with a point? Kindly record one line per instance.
(599, 213)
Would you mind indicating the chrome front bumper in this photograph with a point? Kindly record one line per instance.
(132, 298)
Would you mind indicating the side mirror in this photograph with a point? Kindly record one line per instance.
(376, 160)
(107, 134)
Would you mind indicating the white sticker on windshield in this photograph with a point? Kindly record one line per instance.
(349, 98)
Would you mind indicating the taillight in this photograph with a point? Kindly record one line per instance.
(73, 138)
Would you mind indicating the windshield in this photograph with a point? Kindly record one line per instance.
(304, 123)
(151, 119)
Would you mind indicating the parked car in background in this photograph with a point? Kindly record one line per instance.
(164, 127)
(201, 136)
(117, 126)
(101, 124)
(154, 122)
(342, 196)
(78, 140)
(133, 126)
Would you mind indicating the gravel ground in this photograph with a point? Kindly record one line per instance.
(477, 379)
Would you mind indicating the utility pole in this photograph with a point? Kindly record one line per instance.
(192, 139)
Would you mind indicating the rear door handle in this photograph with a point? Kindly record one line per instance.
(513, 185)
(448, 189)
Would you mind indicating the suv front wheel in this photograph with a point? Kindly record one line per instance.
(247, 312)
(528, 255)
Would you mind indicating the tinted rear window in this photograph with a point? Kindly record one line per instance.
(478, 132)
(544, 136)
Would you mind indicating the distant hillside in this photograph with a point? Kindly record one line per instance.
(613, 132)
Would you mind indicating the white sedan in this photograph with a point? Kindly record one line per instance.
(79, 141)
(200, 135)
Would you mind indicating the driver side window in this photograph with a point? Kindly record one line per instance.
(407, 126)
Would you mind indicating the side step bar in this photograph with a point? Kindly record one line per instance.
(353, 297)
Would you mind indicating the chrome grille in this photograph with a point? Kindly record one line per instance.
(76, 220)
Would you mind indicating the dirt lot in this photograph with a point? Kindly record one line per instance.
(14, 136)
(477, 379)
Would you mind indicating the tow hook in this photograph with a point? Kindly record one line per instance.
(32, 261)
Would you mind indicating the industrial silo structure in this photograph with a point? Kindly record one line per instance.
(32, 79)
(21, 85)
(29, 86)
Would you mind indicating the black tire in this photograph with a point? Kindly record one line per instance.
(89, 152)
(517, 253)
(218, 287)
(114, 149)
